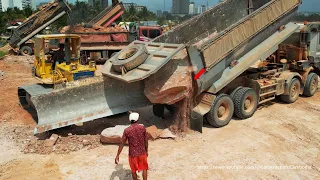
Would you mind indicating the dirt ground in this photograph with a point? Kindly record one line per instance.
(279, 142)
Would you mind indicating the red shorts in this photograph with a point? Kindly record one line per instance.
(138, 163)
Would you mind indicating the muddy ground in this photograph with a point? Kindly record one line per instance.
(279, 142)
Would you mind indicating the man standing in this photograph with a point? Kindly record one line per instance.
(138, 147)
(58, 56)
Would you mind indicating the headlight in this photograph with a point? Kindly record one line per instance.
(92, 64)
(73, 67)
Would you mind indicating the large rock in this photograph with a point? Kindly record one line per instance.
(112, 135)
(166, 134)
(171, 83)
(153, 132)
(51, 141)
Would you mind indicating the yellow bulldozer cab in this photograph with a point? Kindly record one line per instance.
(51, 70)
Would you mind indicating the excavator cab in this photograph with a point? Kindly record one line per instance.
(60, 65)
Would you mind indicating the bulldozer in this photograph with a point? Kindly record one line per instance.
(62, 65)
(55, 69)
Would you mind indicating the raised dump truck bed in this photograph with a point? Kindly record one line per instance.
(227, 32)
(231, 24)
(221, 45)
(108, 15)
(223, 34)
(37, 22)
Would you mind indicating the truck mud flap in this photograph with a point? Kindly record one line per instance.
(82, 101)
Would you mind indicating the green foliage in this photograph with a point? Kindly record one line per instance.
(2, 54)
(133, 15)
(304, 17)
(166, 17)
(27, 11)
(81, 12)
(161, 20)
(12, 14)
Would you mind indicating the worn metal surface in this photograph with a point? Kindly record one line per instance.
(218, 47)
(261, 52)
(83, 101)
(159, 55)
(37, 22)
(200, 110)
(288, 76)
(217, 71)
(199, 27)
(105, 17)
(116, 46)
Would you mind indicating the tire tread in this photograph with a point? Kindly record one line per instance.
(210, 118)
(307, 92)
(238, 100)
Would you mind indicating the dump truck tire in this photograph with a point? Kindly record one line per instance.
(130, 58)
(158, 110)
(234, 92)
(294, 89)
(245, 103)
(170, 108)
(26, 50)
(221, 111)
(311, 85)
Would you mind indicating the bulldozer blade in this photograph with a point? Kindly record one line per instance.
(82, 101)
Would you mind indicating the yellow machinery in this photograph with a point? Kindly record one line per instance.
(69, 69)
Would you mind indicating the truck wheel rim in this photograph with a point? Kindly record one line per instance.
(313, 85)
(25, 51)
(223, 111)
(294, 91)
(249, 104)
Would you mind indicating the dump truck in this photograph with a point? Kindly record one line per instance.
(99, 41)
(21, 36)
(209, 59)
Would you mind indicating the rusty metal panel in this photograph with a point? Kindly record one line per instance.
(218, 47)
(159, 55)
(107, 14)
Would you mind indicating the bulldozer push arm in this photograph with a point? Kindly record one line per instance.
(88, 99)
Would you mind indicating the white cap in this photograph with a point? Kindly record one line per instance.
(134, 117)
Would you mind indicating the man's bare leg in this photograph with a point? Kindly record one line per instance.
(145, 174)
(134, 175)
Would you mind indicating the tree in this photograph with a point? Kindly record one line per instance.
(27, 11)
(130, 15)
(161, 20)
(144, 14)
(132, 10)
(307, 17)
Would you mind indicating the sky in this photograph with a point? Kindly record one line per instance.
(153, 5)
